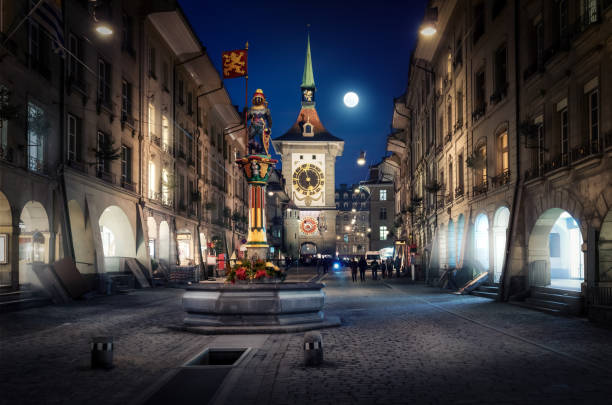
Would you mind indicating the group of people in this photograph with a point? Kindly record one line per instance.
(385, 266)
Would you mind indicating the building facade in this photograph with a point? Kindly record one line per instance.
(133, 139)
(501, 140)
(308, 153)
(352, 221)
(383, 222)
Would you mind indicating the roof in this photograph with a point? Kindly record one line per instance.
(308, 115)
(308, 77)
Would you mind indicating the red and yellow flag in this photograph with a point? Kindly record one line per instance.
(234, 63)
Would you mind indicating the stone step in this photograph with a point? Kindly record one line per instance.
(488, 288)
(569, 299)
(558, 291)
(485, 294)
(23, 303)
(536, 307)
(561, 306)
(15, 295)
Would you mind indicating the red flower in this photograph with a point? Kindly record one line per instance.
(241, 273)
(260, 274)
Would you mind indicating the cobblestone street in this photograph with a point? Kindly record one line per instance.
(399, 343)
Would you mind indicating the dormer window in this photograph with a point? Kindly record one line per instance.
(308, 129)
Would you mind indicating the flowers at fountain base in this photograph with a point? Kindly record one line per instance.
(258, 271)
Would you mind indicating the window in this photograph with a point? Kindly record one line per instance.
(590, 11)
(73, 127)
(459, 99)
(449, 115)
(382, 213)
(126, 164)
(104, 144)
(563, 19)
(501, 69)
(37, 128)
(126, 100)
(152, 180)
(75, 68)
(34, 44)
(539, 43)
(165, 178)
(126, 33)
(104, 82)
(481, 171)
(541, 145)
(167, 144)
(363, 205)
(152, 63)
(479, 21)
(345, 196)
(181, 188)
(345, 218)
(564, 135)
(383, 195)
(181, 90)
(165, 75)
(502, 152)
(383, 232)
(450, 178)
(593, 120)
(307, 129)
(458, 53)
(151, 123)
(479, 90)
(189, 103)
(460, 171)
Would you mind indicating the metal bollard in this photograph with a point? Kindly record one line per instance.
(313, 349)
(102, 352)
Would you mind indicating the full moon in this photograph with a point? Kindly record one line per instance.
(351, 99)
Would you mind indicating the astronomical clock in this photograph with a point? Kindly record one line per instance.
(308, 179)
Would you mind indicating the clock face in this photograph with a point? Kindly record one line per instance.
(307, 95)
(308, 225)
(308, 179)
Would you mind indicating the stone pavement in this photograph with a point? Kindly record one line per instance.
(399, 343)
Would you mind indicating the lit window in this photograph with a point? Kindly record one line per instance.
(502, 153)
(383, 195)
(384, 232)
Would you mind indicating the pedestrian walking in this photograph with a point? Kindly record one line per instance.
(318, 264)
(397, 265)
(325, 265)
(389, 266)
(383, 268)
(375, 267)
(363, 265)
(353, 265)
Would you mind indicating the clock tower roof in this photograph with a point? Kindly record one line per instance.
(308, 126)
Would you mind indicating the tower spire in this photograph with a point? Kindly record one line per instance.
(308, 77)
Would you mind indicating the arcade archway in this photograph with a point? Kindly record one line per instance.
(500, 228)
(555, 251)
(459, 233)
(450, 244)
(117, 235)
(164, 242)
(605, 249)
(6, 228)
(481, 242)
(34, 239)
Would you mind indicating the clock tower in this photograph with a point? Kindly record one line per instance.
(308, 152)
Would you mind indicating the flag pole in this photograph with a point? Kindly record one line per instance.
(246, 99)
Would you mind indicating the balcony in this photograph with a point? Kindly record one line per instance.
(37, 165)
(479, 112)
(181, 154)
(167, 201)
(448, 138)
(502, 178)
(458, 125)
(126, 119)
(190, 162)
(166, 147)
(155, 196)
(480, 188)
(499, 94)
(459, 191)
(448, 198)
(105, 176)
(128, 185)
(77, 165)
(155, 139)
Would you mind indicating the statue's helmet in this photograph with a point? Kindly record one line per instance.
(259, 94)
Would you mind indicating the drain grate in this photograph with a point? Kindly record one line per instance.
(217, 357)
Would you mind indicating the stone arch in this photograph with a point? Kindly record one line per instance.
(6, 227)
(500, 230)
(82, 237)
(184, 245)
(152, 235)
(605, 248)
(554, 250)
(118, 238)
(164, 242)
(451, 247)
(459, 237)
(481, 242)
(34, 239)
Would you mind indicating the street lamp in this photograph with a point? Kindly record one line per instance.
(101, 25)
(361, 160)
(428, 27)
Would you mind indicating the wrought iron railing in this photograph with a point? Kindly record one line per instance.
(106, 176)
(459, 191)
(502, 178)
(480, 188)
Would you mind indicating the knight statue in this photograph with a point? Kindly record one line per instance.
(261, 123)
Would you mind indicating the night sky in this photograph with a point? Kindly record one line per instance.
(360, 46)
